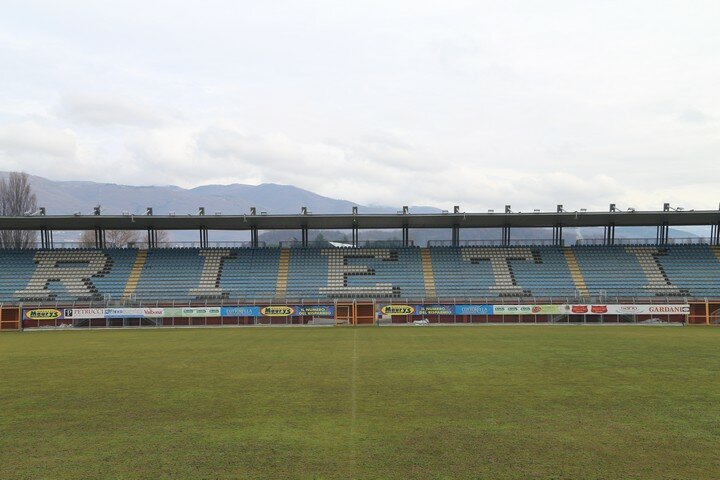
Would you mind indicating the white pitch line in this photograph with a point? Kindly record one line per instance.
(353, 402)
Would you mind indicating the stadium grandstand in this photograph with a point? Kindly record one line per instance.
(509, 281)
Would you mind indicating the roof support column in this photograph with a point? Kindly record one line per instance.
(355, 236)
(558, 234)
(204, 237)
(152, 237)
(662, 233)
(715, 234)
(456, 235)
(99, 238)
(304, 234)
(355, 230)
(506, 235)
(405, 236)
(254, 237)
(46, 238)
(609, 234)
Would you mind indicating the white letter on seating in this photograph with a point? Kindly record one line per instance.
(339, 270)
(73, 269)
(209, 284)
(648, 259)
(501, 267)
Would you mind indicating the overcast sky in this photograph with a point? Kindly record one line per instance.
(437, 103)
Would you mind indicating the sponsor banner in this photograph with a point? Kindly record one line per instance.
(433, 309)
(43, 314)
(201, 312)
(546, 309)
(172, 312)
(240, 311)
(620, 309)
(277, 311)
(512, 309)
(669, 309)
(84, 313)
(473, 309)
(397, 310)
(124, 312)
(314, 310)
(527, 309)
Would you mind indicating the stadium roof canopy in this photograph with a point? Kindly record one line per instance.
(361, 221)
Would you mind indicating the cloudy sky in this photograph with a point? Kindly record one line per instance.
(477, 103)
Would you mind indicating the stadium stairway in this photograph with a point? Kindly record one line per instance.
(575, 272)
(428, 274)
(135, 272)
(282, 275)
(716, 250)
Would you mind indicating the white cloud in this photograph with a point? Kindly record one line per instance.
(28, 138)
(103, 109)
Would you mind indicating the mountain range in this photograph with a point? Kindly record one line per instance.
(68, 197)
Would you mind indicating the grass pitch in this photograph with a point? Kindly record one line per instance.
(438, 402)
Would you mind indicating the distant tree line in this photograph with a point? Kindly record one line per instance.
(122, 238)
(17, 199)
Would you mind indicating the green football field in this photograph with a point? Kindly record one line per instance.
(572, 402)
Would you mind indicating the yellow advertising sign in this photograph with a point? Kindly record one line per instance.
(397, 310)
(43, 314)
(277, 311)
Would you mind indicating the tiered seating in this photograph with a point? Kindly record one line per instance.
(506, 272)
(16, 270)
(692, 268)
(64, 275)
(251, 274)
(237, 275)
(169, 274)
(356, 273)
(188, 274)
(632, 271)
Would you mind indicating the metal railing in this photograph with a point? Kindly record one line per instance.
(646, 241)
(382, 243)
(494, 242)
